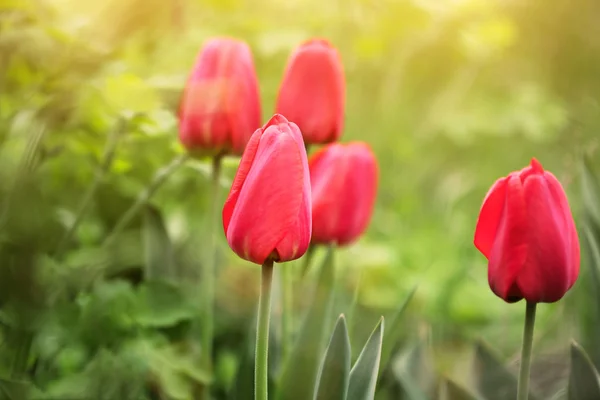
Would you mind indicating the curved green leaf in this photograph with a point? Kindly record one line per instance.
(334, 375)
(301, 368)
(590, 190)
(452, 391)
(415, 372)
(363, 377)
(584, 383)
(492, 379)
(393, 335)
(591, 314)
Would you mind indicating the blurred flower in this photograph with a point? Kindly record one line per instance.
(527, 232)
(344, 186)
(220, 107)
(313, 92)
(267, 212)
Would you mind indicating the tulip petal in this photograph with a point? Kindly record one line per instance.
(269, 201)
(220, 106)
(560, 198)
(545, 277)
(289, 247)
(534, 168)
(489, 217)
(240, 178)
(344, 184)
(322, 169)
(510, 246)
(312, 93)
(357, 206)
(328, 176)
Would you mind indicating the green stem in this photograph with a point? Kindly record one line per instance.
(523, 386)
(287, 317)
(307, 259)
(107, 159)
(159, 178)
(261, 365)
(208, 281)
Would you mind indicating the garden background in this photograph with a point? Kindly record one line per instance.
(451, 95)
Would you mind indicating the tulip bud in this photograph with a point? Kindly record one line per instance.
(344, 185)
(527, 233)
(313, 91)
(267, 213)
(220, 108)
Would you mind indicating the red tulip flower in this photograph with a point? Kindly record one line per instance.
(313, 92)
(344, 185)
(220, 108)
(527, 232)
(267, 213)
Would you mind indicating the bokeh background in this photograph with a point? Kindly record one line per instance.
(451, 95)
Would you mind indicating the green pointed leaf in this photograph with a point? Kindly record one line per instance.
(392, 337)
(584, 383)
(301, 368)
(590, 315)
(492, 379)
(452, 391)
(157, 246)
(415, 372)
(593, 251)
(332, 382)
(590, 188)
(411, 387)
(363, 377)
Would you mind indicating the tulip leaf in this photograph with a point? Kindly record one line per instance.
(334, 375)
(492, 379)
(363, 377)
(452, 391)
(584, 382)
(415, 372)
(300, 370)
(590, 191)
(158, 250)
(394, 333)
(591, 315)
(410, 388)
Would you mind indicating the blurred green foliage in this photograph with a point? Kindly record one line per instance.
(451, 95)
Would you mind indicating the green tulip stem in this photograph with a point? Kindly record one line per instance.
(160, 177)
(523, 386)
(261, 361)
(209, 276)
(287, 317)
